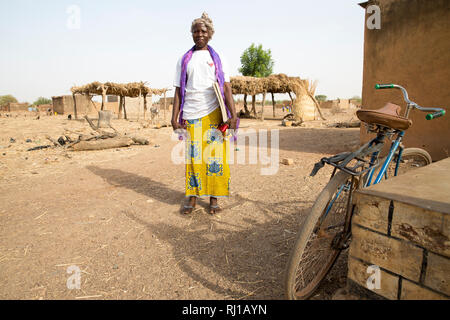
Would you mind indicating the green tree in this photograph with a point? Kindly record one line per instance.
(4, 100)
(256, 62)
(42, 100)
(321, 97)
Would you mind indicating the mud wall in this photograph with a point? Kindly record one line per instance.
(411, 49)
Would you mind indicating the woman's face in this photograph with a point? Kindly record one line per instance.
(200, 35)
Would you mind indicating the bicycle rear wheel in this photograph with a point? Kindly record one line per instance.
(313, 255)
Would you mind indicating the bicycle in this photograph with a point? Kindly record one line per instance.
(327, 229)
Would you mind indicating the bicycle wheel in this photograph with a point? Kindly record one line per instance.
(412, 158)
(313, 256)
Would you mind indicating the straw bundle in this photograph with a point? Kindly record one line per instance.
(133, 89)
(277, 83)
(159, 92)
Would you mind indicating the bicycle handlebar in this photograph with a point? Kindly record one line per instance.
(437, 112)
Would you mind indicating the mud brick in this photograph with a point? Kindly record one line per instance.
(372, 212)
(357, 271)
(411, 291)
(426, 228)
(397, 256)
(288, 161)
(438, 273)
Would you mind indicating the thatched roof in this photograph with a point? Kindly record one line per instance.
(132, 89)
(159, 92)
(276, 83)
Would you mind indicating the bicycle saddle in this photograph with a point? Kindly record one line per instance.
(388, 116)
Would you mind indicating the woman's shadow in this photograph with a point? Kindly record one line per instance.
(143, 185)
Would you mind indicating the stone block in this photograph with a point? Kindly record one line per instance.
(288, 161)
(438, 273)
(411, 291)
(372, 212)
(426, 228)
(357, 271)
(397, 256)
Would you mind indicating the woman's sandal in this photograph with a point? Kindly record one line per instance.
(188, 209)
(213, 209)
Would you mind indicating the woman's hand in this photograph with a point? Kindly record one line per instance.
(232, 123)
(176, 125)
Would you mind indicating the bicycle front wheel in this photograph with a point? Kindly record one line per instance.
(313, 255)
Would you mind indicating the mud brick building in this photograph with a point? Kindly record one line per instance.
(412, 49)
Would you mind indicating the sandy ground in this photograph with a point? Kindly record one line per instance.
(115, 214)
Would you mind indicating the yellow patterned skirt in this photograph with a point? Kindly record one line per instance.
(207, 169)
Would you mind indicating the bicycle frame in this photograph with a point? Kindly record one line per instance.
(340, 241)
(383, 171)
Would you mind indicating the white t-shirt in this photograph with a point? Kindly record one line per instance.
(200, 98)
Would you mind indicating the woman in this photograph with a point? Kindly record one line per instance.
(197, 110)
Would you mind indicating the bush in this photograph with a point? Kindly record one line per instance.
(321, 97)
(42, 100)
(4, 100)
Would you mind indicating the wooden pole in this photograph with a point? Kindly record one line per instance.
(103, 97)
(75, 106)
(273, 104)
(290, 96)
(262, 106)
(254, 104)
(165, 105)
(245, 105)
(124, 109)
(120, 107)
(145, 104)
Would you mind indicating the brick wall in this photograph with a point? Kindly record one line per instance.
(409, 244)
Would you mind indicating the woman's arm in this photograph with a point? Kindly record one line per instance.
(176, 110)
(230, 105)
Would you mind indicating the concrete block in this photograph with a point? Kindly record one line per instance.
(438, 273)
(411, 291)
(357, 271)
(372, 212)
(426, 228)
(399, 257)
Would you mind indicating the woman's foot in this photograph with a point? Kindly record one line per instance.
(190, 206)
(213, 206)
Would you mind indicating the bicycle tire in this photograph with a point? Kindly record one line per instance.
(411, 158)
(304, 236)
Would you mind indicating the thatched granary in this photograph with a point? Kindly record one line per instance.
(304, 105)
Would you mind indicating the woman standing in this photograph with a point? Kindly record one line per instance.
(197, 110)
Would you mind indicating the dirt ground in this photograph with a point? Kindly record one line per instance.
(115, 214)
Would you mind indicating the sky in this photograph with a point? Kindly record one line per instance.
(49, 46)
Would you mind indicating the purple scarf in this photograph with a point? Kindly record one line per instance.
(219, 76)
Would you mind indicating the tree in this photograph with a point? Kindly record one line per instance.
(42, 100)
(4, 100)
(256, 62)
(321, 97)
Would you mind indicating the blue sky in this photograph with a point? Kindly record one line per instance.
(124, 41)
